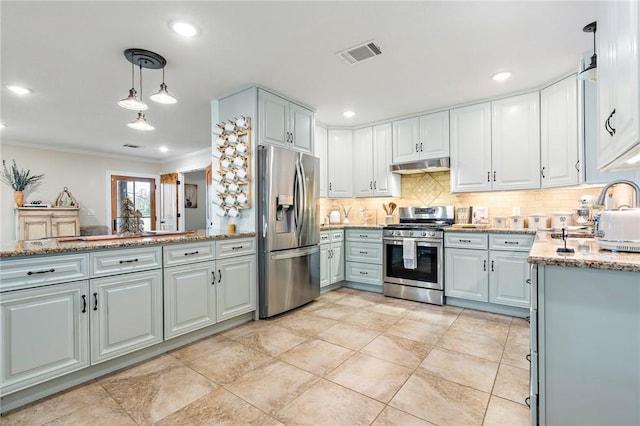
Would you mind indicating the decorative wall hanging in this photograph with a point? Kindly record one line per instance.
(191, 196)
(232, 148)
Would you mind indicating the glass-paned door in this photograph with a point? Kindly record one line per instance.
(130, 194)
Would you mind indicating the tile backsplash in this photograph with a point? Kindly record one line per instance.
(434, 189)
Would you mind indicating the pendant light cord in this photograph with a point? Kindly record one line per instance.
(141, 81)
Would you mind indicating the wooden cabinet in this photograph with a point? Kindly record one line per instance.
(126, 314)
(35, 223)
(320, 150)
(340, 163)
(284, 123)
(420, 138)
(618, 38)
(363, 258)
(44, 334)
(559, 144)
(496, 145)
(331, 257)
(488, 268)
(371, 175)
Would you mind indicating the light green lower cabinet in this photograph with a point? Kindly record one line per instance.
(189, 298)
(126, 314)
(331, 257)
(235, 286)
(44, 334)
(508, 272)
(466, 274)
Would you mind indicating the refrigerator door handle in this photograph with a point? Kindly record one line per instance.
(303, 198)
(264, 227)
(298, 200)
(288, 254)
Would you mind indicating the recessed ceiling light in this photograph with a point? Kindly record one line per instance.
(163, 149)
(348, 114)
(185, 29)
(501, 76)
(19, 90)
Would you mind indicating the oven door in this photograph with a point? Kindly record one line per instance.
(428, 273)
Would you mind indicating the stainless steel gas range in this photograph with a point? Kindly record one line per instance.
(413, 252)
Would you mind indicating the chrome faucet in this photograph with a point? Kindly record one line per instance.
(601, 198)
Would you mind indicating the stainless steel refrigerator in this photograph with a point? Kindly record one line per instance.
(288, 229)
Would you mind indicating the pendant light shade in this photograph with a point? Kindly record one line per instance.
(132, 101)
(140, 123)
(589, 73)
(162, 96)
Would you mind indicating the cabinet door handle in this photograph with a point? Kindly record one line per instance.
(420, 146)
(484, 265)
(84, 304)
(330, 254)
(95, 301)
(416, 147)
(465, 241)
(528, 281)
(41, 272)
(370, 184)
(526, 401)
(375, 184)
(128, 261)
(213, 277)
(492, 270)
(607, 124)
(329, 186)
(488, 176)
(542, 173)
(577, 166)
(191, 253)
(236, 247)
(364, 273)
(364, 236)
(494, 176)
(512, 242)
(219, 276)
(528, 357)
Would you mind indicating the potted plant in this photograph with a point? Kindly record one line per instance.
(19, 180)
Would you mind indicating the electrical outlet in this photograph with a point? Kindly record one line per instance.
(91, 212)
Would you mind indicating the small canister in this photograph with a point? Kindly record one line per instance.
(537, 221)
(516, 222)
(499, 222)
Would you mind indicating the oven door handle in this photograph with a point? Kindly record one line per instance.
(418, 243)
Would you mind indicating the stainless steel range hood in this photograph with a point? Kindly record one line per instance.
(421, 166)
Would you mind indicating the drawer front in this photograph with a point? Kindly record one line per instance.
(337, 236)
(364, 235)
(325, 237)
(32, 272)
(235, 247)
(465, 240)
(364, 252)
(364, 273)
(114, 262)
(511, 242)
(180, 254)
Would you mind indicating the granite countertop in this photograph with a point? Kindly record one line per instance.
(54, 246)
(588, 254)
(491, 230)
(348, 226)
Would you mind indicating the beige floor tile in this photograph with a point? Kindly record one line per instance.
(393, 417)
(472, 344)
(354, 301)
(229, 363)
(483, 327)
(217, 407)
(156, 388)
(350, 336)
(520, 322)
(461, 368)
(107, 413)
(272, 340)
(472, 313)
(244, 329)
(519, 335)
(327, 403)
(407, 304)
(58, 405)
(389, 309)
(512, 383)
(515, 355)
(373, 377)
(371, 320)
(334, 311)
(502, 412)
(200, 348)
(305, 323)
(440, 401)
(432, 316)
(316, 356)
(418, 331)
(331, 296)
(396, 349)
(272, 386)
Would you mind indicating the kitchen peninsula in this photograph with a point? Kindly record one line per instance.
(102, 305)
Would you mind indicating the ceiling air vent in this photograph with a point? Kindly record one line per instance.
(360, 52)
(128, 145)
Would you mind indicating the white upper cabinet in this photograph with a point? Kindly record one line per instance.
(618, 84)
(320, 151)
(340, 163)
(471, 148)
(496, 145)
(420, 138)
(371, 175)
(559, 154)
(283, 123)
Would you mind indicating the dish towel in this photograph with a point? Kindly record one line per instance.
(409, 253)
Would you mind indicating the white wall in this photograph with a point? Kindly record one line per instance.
(84, 175)
(195, 218)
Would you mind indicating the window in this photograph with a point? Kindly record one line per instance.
(142, 193)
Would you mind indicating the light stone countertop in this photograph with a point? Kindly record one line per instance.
(348, 226)
(53, 246)
(588, 254)
(491, 230)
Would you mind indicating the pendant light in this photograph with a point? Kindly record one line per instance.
(162, 96)
(590, 72)
(140, 123)
(132, 101)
